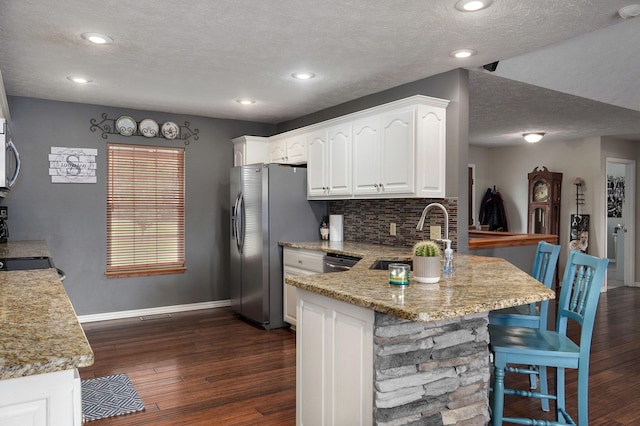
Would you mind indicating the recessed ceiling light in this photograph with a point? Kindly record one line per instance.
(630, 11)
(533, 137)
(472, 5)
(303, 75)
(463, 53)
(97, 38)
(79, 80)
(246, 101)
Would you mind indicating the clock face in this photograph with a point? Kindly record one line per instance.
(540, 191)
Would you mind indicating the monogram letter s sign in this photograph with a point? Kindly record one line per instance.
(72, 165)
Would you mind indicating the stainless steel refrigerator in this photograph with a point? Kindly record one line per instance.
(268, 204)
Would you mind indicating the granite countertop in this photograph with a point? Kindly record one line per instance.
(39, 330)
(12, 249)
(478, 284)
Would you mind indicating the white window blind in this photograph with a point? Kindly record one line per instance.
(145, 210)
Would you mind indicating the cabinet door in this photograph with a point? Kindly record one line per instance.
(430, 152)
(289, 293)
(366, 156)
(334, 362)
(239, 153)
(317, 164)
(397, 151)
(339, 162)
(278, 151)
(297, 149)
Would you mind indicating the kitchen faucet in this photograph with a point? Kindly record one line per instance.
(448, 252)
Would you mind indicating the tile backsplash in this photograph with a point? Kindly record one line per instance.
(368, 220)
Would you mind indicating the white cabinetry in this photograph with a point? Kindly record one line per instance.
(51, 399)
(329, 163)
(392, 150)
(288, 150)
(297, 262)
(430, 156)
(383, 159)
(250, 150)
(334, 362)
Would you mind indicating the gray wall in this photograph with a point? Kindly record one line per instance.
(71, 218)
(453, 86)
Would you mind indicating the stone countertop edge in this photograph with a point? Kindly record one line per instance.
(35, 248)
(39, 329)
(479, 284)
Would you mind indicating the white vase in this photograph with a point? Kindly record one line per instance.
(426, 269)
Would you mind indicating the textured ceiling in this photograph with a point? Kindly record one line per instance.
(199, 56)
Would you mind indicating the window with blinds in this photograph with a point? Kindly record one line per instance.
(145, 210)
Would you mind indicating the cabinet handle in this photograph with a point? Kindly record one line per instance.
(382, 187)
(375, 185)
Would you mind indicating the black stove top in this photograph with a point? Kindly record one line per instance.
(25, 263)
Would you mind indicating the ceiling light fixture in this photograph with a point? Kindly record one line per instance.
(533, 137)
(303, 75)
(630, 11)
(246, 101)
(472, 5)
(463, 53)
(79, 80)
(97, 38)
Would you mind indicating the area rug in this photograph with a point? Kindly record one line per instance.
(109, 396)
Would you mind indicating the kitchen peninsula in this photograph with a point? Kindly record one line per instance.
(372, 353)
(41, 345)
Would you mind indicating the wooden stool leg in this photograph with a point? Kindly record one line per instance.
(498, 395)
(544, 386)
(560, 400)
(583, 396)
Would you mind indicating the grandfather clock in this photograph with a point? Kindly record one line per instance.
(544, 202)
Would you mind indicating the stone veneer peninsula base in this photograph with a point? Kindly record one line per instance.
(434, 373)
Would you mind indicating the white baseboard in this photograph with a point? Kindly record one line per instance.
(153, 311)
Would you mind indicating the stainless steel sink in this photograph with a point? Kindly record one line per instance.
(384, 264)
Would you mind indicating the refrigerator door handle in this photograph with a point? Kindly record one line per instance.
(234, 219)
(240, 223)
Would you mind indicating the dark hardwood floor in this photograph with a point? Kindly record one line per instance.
(209, 368)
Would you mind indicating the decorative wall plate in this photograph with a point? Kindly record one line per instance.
(126, 125)
(170, 130)
(149, 128)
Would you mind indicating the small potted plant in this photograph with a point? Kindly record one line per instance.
(426, 262)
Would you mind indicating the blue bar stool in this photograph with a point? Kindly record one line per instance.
(533, 315)
(579, 296)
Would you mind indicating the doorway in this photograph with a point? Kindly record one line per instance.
(620, 221)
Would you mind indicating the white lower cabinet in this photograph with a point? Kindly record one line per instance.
(51, 399)
(297, 262)
(334, 362)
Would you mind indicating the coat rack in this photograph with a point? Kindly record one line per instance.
(579, 196)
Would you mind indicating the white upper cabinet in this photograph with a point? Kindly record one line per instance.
(329, 163)
(339, 172)
(288, 150)
(430, 151)
(383, 147)
(392, 150)
(250, 150)
(317, 164)
(366, 156)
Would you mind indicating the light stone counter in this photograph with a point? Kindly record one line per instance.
(478, 284)
(13, 249)
(39, 330)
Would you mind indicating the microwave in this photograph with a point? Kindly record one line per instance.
(9, 160)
